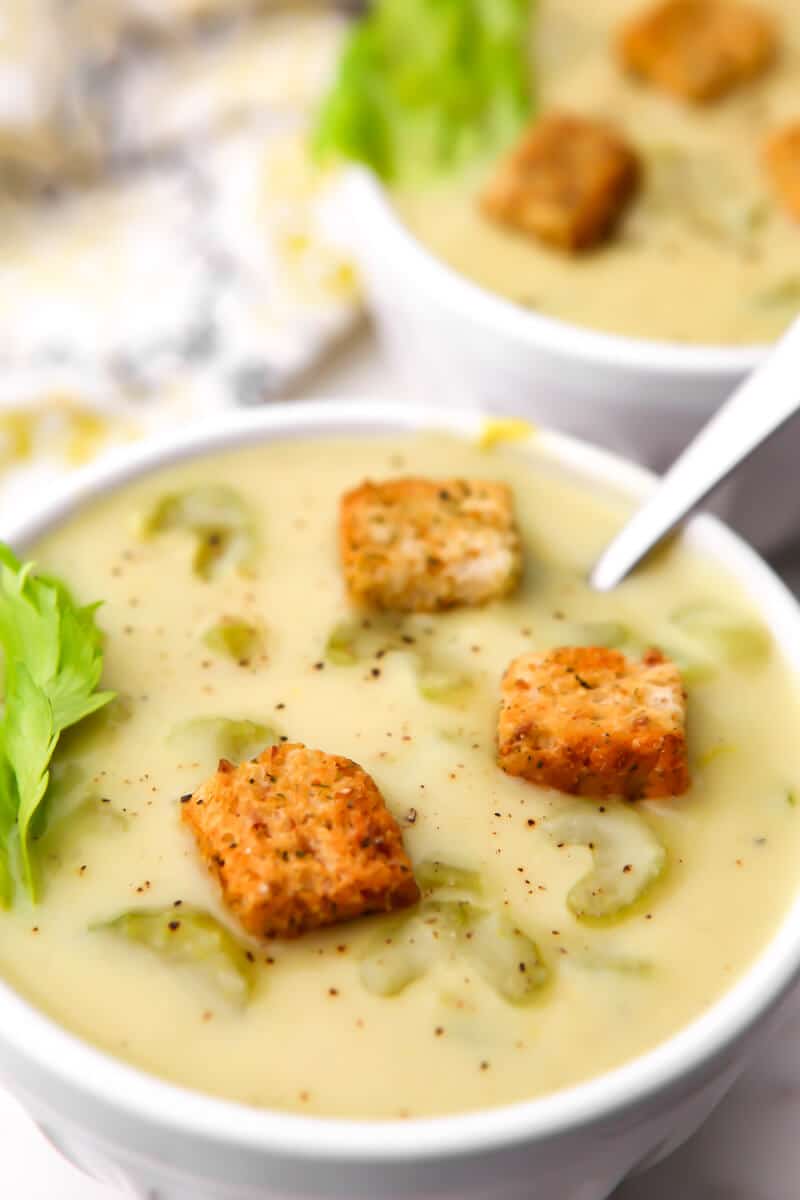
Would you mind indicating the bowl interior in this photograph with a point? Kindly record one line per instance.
(367, 204)
(711, 1035)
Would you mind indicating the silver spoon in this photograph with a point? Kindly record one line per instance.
(758, 408)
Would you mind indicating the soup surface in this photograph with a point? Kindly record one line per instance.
(312, 1036)
(706, 253)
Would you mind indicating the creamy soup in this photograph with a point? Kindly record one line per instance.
(705, 255)
(320, 1032)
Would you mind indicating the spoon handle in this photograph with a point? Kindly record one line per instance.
(757, 409)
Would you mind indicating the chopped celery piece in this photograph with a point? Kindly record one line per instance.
(701, 192)
(718, 750)
(219, 520)
(400, 954)
(341, 648)
(187, 936)
(352, 641)
(237, 639)
(600, 633)
(627, 857)
(210, 738)
(432, 875)
(355, 641)
(725, 634)
(791, 797)
(504, 429)
(441, 685)
(785, 292)
(619, 964)
(508, 960)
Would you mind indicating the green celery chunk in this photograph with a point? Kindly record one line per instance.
(222, 525)
(399, 954)
(236, 639)
(432, 875)
(726, 635)
(783, 293)
(701, 191)
(618, 964)
(443, 685)
(627, 857)
(611, 634)
(342, 646)
(508, 960)
(190, 937)
(207, 739)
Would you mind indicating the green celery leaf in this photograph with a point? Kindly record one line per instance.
(424, 86)
(53, 656)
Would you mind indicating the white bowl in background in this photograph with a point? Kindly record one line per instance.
(161, 1142)
(455, 343)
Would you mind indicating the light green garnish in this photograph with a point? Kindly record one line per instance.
(443, 685)
(355, 641)
(189, 937)
(453, 923)
(617, 964)
(424, 86)
(725, 634)
(342, 646)
(783, 293)
(507, 958)
(701, 191)
(611, 634)
(504, 429)
(627, 856)
(432, 875)
(236, 639)
(400, 953)
(218, 519)
(207, 739)
(53, 660)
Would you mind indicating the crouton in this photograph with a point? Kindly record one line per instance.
(422, 545)
(782, 163)
(567, 182)
(698, 49)
(299, 839)
(591, 722)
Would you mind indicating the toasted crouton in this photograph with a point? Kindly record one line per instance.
(422, 545)
(591, 722)
(782, 162)
(299, 839)
(698, 49)
(567, 182)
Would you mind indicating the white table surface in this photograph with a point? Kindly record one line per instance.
(749, 1150)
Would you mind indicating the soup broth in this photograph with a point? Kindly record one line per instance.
(706, 253)
(312, 1036)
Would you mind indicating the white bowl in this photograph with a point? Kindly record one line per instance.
(166, 1143)
(455, 343)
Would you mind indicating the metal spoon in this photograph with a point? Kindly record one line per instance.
(758, 408)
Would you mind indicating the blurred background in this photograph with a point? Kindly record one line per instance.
(160, 249)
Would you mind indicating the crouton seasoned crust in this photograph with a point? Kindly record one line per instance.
(782, 163)
(589, 721)
(567, 182)
(698, 49)
(299, 839)
(424, 545)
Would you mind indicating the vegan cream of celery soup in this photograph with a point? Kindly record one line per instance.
(706, 252)
(227, 628)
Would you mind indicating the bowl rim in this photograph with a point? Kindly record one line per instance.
(148, 1099)
(379, 225)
